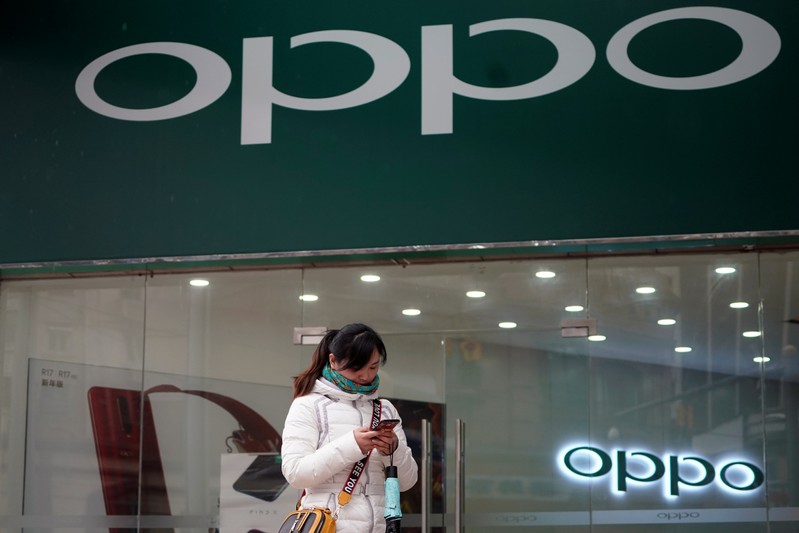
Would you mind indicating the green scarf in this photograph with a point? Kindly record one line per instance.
(348, 385)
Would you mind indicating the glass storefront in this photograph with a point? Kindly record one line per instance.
(618, 393)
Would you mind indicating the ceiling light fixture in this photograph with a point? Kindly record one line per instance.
(761, 359)
(199, 283)
(308, 297)
(666, 322)
(411, 312)
(751, 334)
(645, 290)
(682, 349)
(370, 278)
(475, 294)
(545, 274)
(596, 338)
(507, 325)
(725, 270)
(739, 305)
(574, 308)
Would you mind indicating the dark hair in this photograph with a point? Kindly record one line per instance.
(352, 346)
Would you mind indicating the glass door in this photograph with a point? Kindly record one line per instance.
(518, 387)
(509, 400)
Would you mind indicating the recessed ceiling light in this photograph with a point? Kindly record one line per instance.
(475, 294)
(751, 334)
(645, 290)
(545, 274)
(199, 283)
(667, 322)
(739, 305)
(411, 312)
(574, 308)
(308, 297)
(725, 270)
(596, 338)
(763, 359)
(507, 325)
(682, 349)
(370, 278)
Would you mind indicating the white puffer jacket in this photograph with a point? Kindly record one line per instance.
(319, 450)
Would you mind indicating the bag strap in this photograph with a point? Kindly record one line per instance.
(355, 474)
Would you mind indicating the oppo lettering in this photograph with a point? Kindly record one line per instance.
(576, 55)
(679, 515)
(658, 467)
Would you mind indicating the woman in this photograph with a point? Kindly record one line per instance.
(327, 431)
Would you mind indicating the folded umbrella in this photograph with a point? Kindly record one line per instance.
(393, 513)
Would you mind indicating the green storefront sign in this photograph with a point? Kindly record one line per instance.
(145, 130)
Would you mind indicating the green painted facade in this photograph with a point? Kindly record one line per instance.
(603, 157)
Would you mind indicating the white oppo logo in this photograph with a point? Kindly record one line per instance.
(576, 55)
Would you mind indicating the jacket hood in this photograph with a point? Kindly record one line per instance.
(326, 388)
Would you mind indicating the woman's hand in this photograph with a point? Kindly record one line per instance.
(364, 437)
(384, 441)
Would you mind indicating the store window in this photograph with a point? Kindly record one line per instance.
(598, 394)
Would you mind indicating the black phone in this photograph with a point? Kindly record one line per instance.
(263, 479)
(388, 423)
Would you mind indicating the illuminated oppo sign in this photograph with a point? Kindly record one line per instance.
(624, 468)
(576, 54)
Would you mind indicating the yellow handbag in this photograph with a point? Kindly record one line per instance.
(316, 520)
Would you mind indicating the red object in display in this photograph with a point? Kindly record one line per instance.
(117, 416)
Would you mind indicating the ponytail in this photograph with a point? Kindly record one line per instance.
(303, 384)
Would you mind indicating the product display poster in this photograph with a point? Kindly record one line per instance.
(116, 448)
(253, 494)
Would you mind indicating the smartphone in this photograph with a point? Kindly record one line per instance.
(124, 436)
(263, 479)
(388, 423)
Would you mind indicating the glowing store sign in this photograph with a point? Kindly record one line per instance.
(677, 472)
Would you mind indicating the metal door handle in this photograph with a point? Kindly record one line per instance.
(427, 475)
(460, 470)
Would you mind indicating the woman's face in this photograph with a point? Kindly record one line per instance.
(362, 376)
